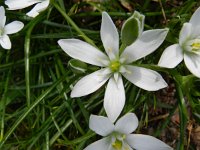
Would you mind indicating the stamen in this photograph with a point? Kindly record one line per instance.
(124, 70)
(110, 49)
(102, 76)
(123, 59)
(195, 45)
(128, 71)
(103, 61)
(1, 31)
(124, 136)
(115, 66)
(117, 144)
(116, 76)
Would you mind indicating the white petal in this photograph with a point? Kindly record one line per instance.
(194, 20)
(101, 125)
(171, 56)
(140, 17)
(2, 12)
(127, 124)
(109, 36)
(147, 43)
(185, 33)
(13, 27)
(192, 61)
(146, 142)
(114, 99)
(5, 42)
(90, 83)
(145, 78)
(2, 17)
(126, 147)
(83, 51)
(38, 8)
(19, 4)
(102, 144)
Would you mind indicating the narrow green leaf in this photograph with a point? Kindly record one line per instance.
(130, 31)
(77, 66)
(132, 28)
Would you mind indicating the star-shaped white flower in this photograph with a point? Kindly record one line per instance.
(10, 28)
(20, 4)
(188, 47)
(119, 137)
(115, 65)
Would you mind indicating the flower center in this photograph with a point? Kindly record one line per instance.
(115, 65)
(1, 32)
(117, 144)
(196, 45)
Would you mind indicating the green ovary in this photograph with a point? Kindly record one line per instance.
(1, 32)
(115, 65)
(196, 45)
(117, 144)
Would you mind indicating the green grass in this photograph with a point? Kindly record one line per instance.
(36, 111)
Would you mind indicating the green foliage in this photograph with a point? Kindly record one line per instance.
(77, 66)
(132, 28)
(36, 111)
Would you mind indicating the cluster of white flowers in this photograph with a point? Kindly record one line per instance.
(119, 137)
(20, 4)
(10, 28)
(113, 66)
(188, 47)
(16, 26)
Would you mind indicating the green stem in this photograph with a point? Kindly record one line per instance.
(26, 57)
(4, 99)
(18, 62)
(29, 109)
(183, 116)
(75, 121)
(70, 21)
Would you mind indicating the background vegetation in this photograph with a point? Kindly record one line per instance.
(36, 77)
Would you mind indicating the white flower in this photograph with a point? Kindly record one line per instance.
(188, 47)
(20, 4)
(10, 28)
(114, 65)
(119, 137)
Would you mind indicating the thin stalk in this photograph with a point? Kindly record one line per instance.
(26, 57)
(47, 141)
(182, 109)
(183, 117)
(70, 21)
(26, 60)
(42, 54)
(3, 99)
(29, 109)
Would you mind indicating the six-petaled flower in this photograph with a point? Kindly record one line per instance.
(6, 29)
(118, 136)
(188, 47)
(115, 65)
(20, 4)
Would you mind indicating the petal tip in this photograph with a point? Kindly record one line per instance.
(59, 41)
(166, 30)
(104, 13)
(73, 94)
